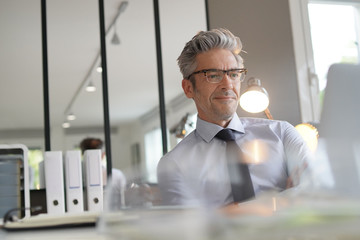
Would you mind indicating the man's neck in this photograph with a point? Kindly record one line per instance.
(221, 122)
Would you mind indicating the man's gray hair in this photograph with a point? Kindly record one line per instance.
(204, 41)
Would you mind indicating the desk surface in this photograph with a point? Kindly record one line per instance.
(313, 219)
(83, 233)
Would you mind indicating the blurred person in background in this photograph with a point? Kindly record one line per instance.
(118, 179)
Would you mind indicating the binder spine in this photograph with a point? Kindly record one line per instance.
(73, 182)
(54, 181)
(94, 183)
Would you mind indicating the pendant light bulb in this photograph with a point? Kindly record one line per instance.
(71, 116)
(66, 125)
(90, 87)
(255, 99)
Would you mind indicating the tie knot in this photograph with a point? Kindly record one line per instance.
(226, 134)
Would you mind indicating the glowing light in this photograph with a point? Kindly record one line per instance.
(66, 125)
(90, 87)
(274, 204)
(71, 117)
(254, 101)
(255, 151)
(309, 134)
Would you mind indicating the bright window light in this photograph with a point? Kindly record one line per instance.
(334, 36)
(153, 153)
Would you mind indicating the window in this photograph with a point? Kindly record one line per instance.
(35, 156)
(334, 36)
(153, 153)
(324, 32)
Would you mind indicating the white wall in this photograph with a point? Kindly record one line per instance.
(264, 28)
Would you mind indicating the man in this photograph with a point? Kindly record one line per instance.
(196, 170)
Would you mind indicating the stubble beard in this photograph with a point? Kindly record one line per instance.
(217, 111)
(225, 112)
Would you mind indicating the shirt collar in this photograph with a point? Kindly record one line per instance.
(208, 130)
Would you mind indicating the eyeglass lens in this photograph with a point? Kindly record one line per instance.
(216, 76)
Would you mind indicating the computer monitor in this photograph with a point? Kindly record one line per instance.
(14, 180)
(340, 117)
(339, 130)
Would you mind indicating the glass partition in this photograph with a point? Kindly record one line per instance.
(180, 109)
(74, 55)
(21, 91)
(133, 83)
(73, 59)
(133, 79)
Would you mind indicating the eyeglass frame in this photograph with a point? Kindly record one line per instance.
(244, 70)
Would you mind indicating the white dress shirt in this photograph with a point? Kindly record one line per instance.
(195, 171)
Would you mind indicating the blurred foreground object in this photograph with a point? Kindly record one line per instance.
(337, 161)
(272, 216)
(340, 115)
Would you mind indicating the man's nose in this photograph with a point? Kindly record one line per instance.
(226, 81)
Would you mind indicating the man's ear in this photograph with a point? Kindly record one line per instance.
(188, 88)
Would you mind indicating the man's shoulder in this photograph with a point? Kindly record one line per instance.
(246, 121)
(279, 127)
(185, 143)
(182, 148)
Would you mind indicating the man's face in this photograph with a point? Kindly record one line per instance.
(215, 102)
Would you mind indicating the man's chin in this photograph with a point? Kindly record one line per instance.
(226, 115)
(226, 110)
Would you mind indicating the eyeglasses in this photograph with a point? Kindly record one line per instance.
(216, 75)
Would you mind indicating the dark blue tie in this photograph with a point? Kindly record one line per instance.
(241, 184)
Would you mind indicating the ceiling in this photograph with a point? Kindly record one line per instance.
(73, 48)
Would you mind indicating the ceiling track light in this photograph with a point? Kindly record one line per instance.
(71, 116)
(84, 83)
(99, 68)
(90, 87)
(66, 124)
(115, 39)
